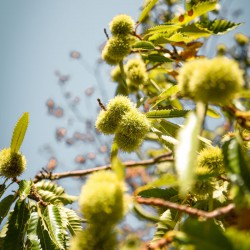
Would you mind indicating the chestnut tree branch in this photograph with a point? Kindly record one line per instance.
(188, 210)
(77, 173)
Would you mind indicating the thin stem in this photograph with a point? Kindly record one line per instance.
(210, 202)
(155, 85)
(123, 75)
(188, 210)
(78, 173)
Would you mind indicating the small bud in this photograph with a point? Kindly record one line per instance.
(241, 39)
(108, 121)
(136, 73)
(11, 164)
(101, 199)
(116, 75)
(212, 159)
(221, 49)
(107, 58)
(203, 188)
(121, 25)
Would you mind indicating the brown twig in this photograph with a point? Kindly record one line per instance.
(127, 164)
(106, 34)
(159, 244)
(35, 196)
(188, 210)
(101, 104)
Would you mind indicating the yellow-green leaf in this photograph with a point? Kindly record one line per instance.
(166, 113)
(186, 151)
(148, 6)
(166, 94)
(217, 26)
(19, 132)
(196, 11)
(143, 45)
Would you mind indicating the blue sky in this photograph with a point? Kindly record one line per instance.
(36, 39)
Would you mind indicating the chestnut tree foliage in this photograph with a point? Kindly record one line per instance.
(197, 189)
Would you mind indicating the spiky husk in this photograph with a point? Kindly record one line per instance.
(127, 143)
(134, 124)
(116, 75)
(107, 122)
(93, 238)
(212, 159)
(214, 81)
(121, 25)
(101, 199)
(11, 164)
(136, 72)
(116, 48)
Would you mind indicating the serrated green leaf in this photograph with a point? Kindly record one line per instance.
(16, 227)
(217, 26)
(51, 192)
(162, 193)
(33, 242)
(166, 94)
(237, 160)
(168, 141)
(193, 32)
(19, 132)
(73, 221)
(44, 236)
(148, 6)
(166, 113)
(143, 45)
(199, 9)
(163, 28)
(176, 103)
(186, 152)
(176, 37)
(24, 189)
(169, 128)
(163, 181)
(5, 205)
(165, 224)
(56, 224)
(206, 235)
(157, 58)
